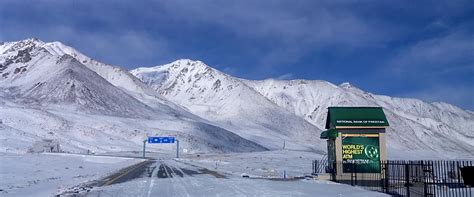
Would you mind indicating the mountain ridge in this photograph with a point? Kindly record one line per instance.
(415, 124)
(46, 94)
(250, 114)
(219, 97)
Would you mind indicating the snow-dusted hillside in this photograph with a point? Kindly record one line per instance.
(39, 78)
(235, 106)
(115, 75)
(79, 132)
(45, 95)
(52, 91)
(416, 126)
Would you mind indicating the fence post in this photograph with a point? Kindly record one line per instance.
(407, 179)
(385, 163)
(424, 178)
(316, 166)
(352, 174)
(355, 173)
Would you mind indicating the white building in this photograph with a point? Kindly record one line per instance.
(46, 145)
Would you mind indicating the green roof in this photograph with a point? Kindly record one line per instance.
(329, 134)
(356, 117)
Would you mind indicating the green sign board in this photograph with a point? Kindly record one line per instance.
(361, 154)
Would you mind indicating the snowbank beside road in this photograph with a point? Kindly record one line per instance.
(261, 164)
(45, 174)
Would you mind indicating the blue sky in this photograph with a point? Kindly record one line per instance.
(420, 49)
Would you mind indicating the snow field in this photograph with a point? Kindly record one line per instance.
(45, 174)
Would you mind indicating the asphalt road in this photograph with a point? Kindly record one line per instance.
(146, 170)
(171, 177)
(157, 169)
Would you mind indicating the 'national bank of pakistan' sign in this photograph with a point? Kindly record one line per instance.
(361, 154)
(360, 121)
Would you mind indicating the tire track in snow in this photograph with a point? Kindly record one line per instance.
(152, 180)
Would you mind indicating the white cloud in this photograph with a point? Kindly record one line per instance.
(285, 21)
(286, 76)
(450, 53)
(460, 95)
(292, 30)
(125, 48)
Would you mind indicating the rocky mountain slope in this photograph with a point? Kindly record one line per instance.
(52, 91)
(46, 95)
(232, 104)
(416, 126)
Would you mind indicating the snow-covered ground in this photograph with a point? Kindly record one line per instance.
(229, 182)
(78, 132)
(45, 174)
(54, 173)
(258, 164)
(235, 186)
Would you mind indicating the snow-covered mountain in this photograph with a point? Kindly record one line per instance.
(115, 75)
(52, 91)
(38, 77)
(46, 94)
(416, 126)
(232, 104)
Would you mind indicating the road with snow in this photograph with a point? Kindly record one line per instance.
(171, 177)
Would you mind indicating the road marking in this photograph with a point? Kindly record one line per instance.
(150, 187)
(125, 173)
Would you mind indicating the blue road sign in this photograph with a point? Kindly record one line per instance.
(156, 140)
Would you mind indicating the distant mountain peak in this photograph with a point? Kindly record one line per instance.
(31, 40)
(190, 64)
(187, 61)
(27, 44)
(185, 69)
(265, 111)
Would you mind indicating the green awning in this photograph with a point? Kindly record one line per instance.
(356, 117)
(329, 134)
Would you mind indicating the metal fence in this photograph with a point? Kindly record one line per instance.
(405, 178)
(320, 166)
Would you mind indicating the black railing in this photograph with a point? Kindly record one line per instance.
(320, 166)
(405, 178)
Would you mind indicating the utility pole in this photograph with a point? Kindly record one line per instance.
(177, 148)
(144, 144)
